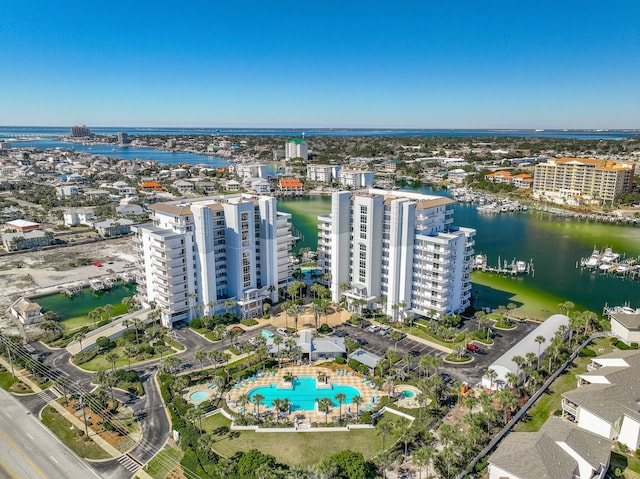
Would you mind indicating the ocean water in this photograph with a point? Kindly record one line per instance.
(43, 131)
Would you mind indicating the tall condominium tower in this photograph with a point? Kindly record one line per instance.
(201, 255)
(398, 251)
(297, 148)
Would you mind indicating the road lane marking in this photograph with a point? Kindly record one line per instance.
(30, 436)
(8, 415)
(21, 452)
(8, 471)
(54, 459)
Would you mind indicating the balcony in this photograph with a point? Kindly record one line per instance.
(569, 407)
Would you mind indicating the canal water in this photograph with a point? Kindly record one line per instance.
(554, 244)
(72, 309)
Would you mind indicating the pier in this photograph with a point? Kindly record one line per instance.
(608, 262)
(513, 268)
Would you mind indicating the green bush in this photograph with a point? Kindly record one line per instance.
(587, 353)
(249, 322)
(102, 322)
(353, 364)
(86, 356)
(196, 323)
(339, 360)
(324, 329)
(624, 346)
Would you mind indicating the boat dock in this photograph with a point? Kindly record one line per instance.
(608, 262)
(514, 267)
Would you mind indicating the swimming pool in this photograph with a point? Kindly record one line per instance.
(304, 394)
(407, 394)
(198, 396)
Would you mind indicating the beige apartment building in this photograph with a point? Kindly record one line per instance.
(582, 181)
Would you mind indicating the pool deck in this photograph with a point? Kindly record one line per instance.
(355, 380)
(212, 390)
(407, 402)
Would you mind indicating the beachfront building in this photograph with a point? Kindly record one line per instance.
(396, 250)
(323, 173)
(296, 148)
(356, 178)
(213, 254)
(560, 450)
(249, 170)
(80, 132)
(626, 326)
(582, 181)
(505, 365)
(606, 401)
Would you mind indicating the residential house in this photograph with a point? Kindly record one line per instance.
(184, 187)
(607, 400)
(560, 450)
(76, 216)
(110, 228)
(626, 327)
(27, 311)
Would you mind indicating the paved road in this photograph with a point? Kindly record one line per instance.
(34, 453)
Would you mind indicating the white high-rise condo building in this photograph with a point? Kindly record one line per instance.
(297, 148)
(398, 251)
(212, 254)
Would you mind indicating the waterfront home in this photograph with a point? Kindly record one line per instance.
(626, 326)
(28, 240)
(606, 401)
(560, 450)
(27, 311)
(111, 228)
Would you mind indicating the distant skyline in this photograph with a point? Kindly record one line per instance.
(432, 65)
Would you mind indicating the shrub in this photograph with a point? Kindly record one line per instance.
(196, 323)
(266, 316)
(353, 364)
(102, 322)
(339, 360)
(363, 369)
(587, 353)
(324, 329)
(149, 350)
(248, 322)
(365, 417)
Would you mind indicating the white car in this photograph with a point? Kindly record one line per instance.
(282, 331)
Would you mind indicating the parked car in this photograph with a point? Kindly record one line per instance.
(282, 331)
(373, 328)
(361, 341)
(472, 348)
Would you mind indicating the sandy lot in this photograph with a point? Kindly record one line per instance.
(24, 274)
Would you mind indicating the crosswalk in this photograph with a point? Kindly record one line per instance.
(47, 396)
(128, 463)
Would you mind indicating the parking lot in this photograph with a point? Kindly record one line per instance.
(377, 344)
(469, 372)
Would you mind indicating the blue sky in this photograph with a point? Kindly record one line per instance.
(404, 64)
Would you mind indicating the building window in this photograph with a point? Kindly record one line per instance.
(246, 269)
(244, 228)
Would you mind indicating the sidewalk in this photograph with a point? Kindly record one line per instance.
(77, 422)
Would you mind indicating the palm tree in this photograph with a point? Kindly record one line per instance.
(383, 429)
(325, 405)
(112, 357)
(340, 397)
(396, 336)
(539, 341)
(492, 375)
(295, 310)
(257, 400)
(200, 356)
(519, 362)
(129, 352)
(170, 364)
(243, 399)
(50, 327)
(80, 336)
(422, 458)
(107, 309)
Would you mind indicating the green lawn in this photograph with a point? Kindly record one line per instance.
(7, 380)
(99, 362)
(301, 448)
(71, 436)
(77, 322)
(551, 400)
(627, 463)
(160, 465)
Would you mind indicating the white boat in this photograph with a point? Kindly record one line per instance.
(481, 260)
(605, 266)
(623, 268)
(521, 266)
(491, 208)
(609, 256)
(594, 259)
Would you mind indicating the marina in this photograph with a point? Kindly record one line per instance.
(608, 262)
(514, 267)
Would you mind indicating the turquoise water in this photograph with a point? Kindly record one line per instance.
(407, 394)
(199, 396)
(304, 394)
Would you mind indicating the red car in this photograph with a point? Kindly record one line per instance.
(472, 348)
